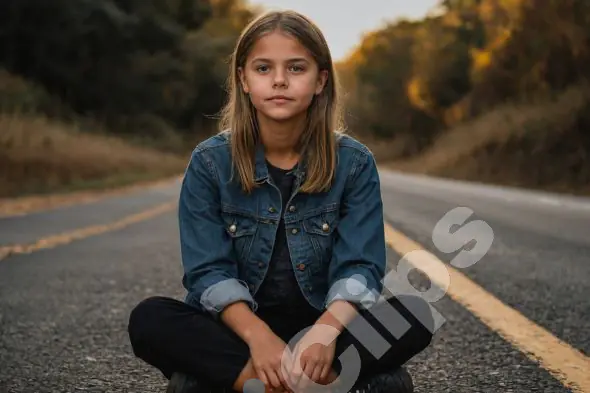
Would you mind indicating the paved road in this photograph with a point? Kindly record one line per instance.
(63, 310)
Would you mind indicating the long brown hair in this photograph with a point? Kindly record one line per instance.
(324, 118)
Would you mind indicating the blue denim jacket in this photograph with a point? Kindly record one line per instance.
(336, 238)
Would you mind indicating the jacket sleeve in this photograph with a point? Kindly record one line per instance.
(210, 267)
(358, 258)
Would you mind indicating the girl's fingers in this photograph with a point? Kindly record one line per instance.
(282, 375)
(296, 368)
(286, 375)
(317, 373)
(325, 372)
(262, 376)
(307, 374)
(274, 379)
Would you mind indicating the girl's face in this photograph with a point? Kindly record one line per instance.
(281, 77)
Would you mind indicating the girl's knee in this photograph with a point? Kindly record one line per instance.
(143, 310)
(419, 314)
(416, 310)
(142, 317)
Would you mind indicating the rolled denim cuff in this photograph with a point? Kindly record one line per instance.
(219, 295)
(354, 290)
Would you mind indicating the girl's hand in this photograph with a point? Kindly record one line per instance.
(270, 357)
(313, 356)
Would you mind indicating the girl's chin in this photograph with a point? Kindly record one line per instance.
(280, 114)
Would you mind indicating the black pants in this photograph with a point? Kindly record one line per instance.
(174, 336)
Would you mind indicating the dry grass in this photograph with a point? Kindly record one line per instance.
(39, 156)
(539, 145)
(542, 145)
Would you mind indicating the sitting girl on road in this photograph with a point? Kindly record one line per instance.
(282, 241)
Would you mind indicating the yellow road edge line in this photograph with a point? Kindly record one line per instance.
(81, 233)
(567, 364)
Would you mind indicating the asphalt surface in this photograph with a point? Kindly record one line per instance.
(64, 311)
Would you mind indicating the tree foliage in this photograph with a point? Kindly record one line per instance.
(415, 79)
(380, 68)
(150, 67)
(138, 66)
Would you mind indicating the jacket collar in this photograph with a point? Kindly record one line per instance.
(261, 170)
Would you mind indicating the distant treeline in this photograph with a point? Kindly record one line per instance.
(135, 66)
(413, 80)
(158, 67)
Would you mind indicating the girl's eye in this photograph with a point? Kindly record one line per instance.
(292, 68)
(262, 68)
(296, 68)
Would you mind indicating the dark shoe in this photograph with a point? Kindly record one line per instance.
(396, 381)
(182, 383)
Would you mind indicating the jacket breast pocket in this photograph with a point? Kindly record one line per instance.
(320, 228)
(241, 228)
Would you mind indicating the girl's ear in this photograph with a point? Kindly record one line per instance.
(243, 80)
(321, 83)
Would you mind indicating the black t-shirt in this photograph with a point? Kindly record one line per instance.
(280, 287)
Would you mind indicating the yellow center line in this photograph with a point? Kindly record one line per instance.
(20, 206)
(81, 233)
(567, 364)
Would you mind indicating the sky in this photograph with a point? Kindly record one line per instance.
(344, 21)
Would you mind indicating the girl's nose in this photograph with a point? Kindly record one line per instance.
(279, 79)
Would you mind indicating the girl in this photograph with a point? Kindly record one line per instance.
(282, 240)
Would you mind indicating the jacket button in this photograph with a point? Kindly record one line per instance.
(232, 228)
(294, 231)
(325, 227)
(301, 267)
(260, 264)
(292, 208)
(272, 209)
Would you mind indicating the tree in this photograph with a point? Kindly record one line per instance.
(379, 105)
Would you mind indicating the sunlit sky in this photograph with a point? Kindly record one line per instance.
(344, 21)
